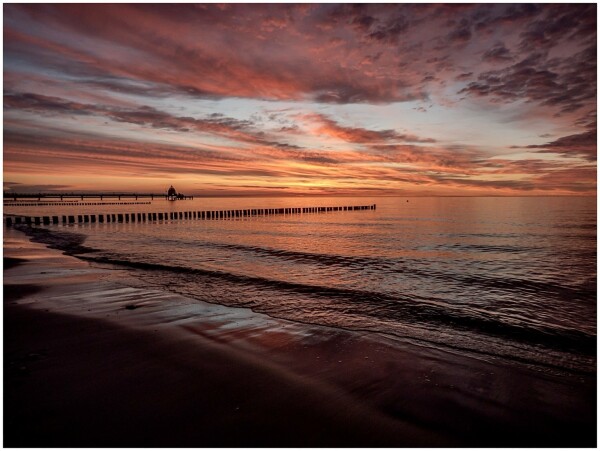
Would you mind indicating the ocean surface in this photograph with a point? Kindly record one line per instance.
(512, 279)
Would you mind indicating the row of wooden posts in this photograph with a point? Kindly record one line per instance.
(174, 215)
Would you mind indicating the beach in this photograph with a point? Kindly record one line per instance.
(91, 361)
(300, 225)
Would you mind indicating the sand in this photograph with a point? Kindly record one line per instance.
(90, 361)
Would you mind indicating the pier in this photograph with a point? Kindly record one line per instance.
(70, 204)
(174, 215)
(82, 196)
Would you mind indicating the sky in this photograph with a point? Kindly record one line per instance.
(301, 99)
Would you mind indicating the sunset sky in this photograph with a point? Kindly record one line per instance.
(301, 99)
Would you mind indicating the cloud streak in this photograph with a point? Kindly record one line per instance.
(388, 98)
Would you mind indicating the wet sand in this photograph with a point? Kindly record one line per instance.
(91, 362)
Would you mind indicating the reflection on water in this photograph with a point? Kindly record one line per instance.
(510, 277)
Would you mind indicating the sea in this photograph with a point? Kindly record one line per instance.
(497, 278)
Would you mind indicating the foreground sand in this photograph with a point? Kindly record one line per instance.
(92, 362)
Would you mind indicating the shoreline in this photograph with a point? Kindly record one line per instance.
(362, 390)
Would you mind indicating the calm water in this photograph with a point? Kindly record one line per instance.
(504, 278)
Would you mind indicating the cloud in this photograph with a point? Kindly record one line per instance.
(512, 14)
(205, 64)
(329, 127)
(582, 144)
(26, 188)
(497, 54)
(238, 130)
(158, 89)
(560, 22)
(431, 159)
(464, 77)
(577, 179)
(568, 83)
(461, 34)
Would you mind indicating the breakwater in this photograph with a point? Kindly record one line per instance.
(174, 215)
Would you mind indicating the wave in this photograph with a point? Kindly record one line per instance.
(409, 266)
(403, 309)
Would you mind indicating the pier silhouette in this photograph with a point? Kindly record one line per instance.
(82, 196)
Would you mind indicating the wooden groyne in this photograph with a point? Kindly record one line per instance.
(174, 215)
